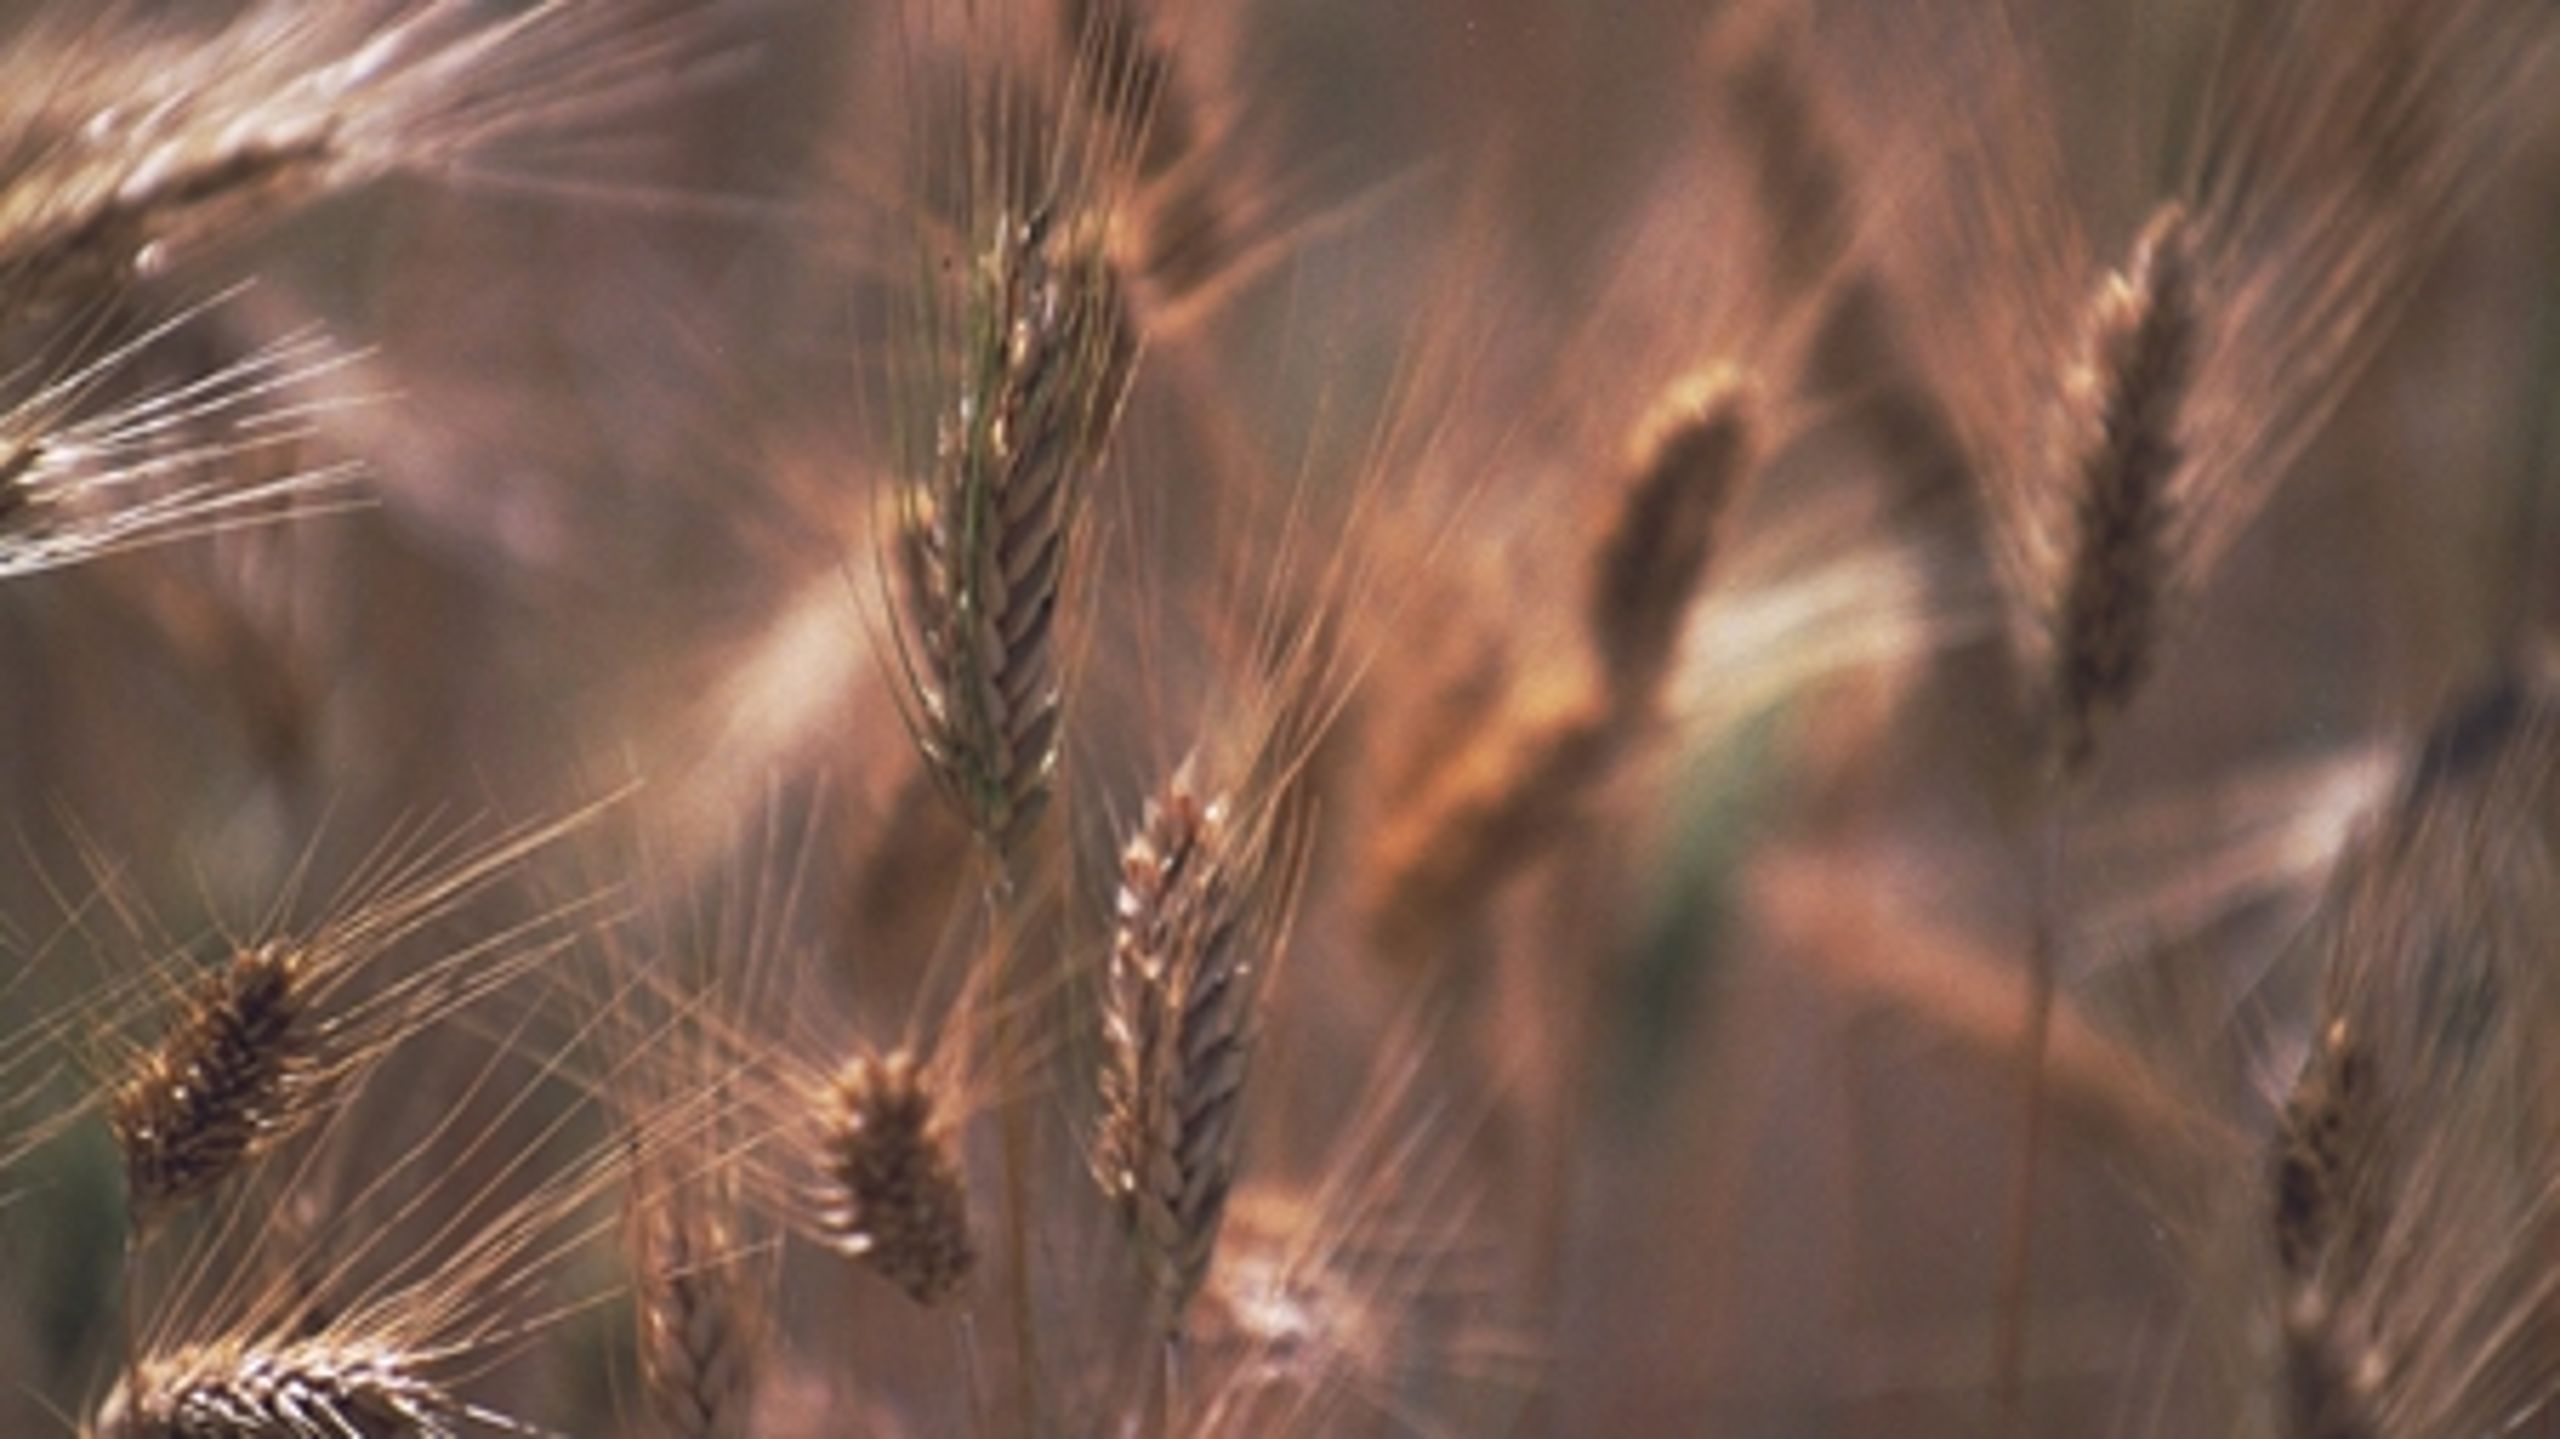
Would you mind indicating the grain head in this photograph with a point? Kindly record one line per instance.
(893, 1196)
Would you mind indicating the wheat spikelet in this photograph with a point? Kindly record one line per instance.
(2122, 407)
(893, 1195)
(2319, 1141)
(1186, 969)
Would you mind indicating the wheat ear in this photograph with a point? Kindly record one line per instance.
(702, 1327)
(1490, 809)
(893, 1196)
(128, 143)
(259, 1049)
(2121, 409)
(293, 1391)
(236, 1069)
(1188, 957)
(2408, 1201)
(987, 536)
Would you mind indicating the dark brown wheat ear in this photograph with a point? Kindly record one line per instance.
(2123, 402)
(892, 1194)
(258, 1049)
(236, 1070)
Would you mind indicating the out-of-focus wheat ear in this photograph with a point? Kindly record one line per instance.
(293, 1391)
(1692, 458)
(2121, 408)
(1128, 74)
(235, 1069)
(130, 139)
(2319, 1140)
(2407, 1210)
(1191, 946)
(1487, 813)
(988, 534)
(1492, 806)
(893, 1196)
(701, 1313)
(2321, 1186)
(82, 477)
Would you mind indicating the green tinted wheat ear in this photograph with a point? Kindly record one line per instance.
(1188, 957)
(892, 1194)
(1047, 353)
(2118, 445)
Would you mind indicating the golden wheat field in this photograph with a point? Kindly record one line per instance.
(736, 718)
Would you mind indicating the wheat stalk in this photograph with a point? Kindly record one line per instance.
(130, 143)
